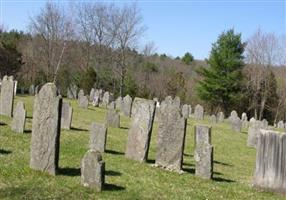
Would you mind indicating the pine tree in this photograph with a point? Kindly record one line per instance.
(221, 83)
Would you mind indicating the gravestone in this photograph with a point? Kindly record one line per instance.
(253, 132)
(244, 117)
(220, 117)
(96, 98)
(91, 94)
(236, 124)
(118, 103)
(233, 116)
(199, 112)
(139, 134)
(32, 90)
(203, 154)
(264, 124)
(83, 101)
(127, 105)
(80, 94)
(177, 101)
(213, 119)
(46, 130)
(281, 125)
(107, 98)
(7, 96)
(112, 118)
(190, 111)
(37, 89)
(185, 111)
(111, 105)
(15, 87)
(72, 92)
(19, 118)
(66, 117)
(93, 170)
(270, 169)
(98, 133)
(171, 136)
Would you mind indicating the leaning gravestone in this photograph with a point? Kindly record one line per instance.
(253, 132)
(203, 152)
(46, 130)
(236, 124)
(7, 96)
(83, 101)
(171, 137)
(98, 133)
(280, 125)
(185, 111)
(199, 112)
(127, 105)
(19, 118)
(93, 170)
(66, 117)
(140, 130)
(270, 169)
(112, 118)
(220, 117)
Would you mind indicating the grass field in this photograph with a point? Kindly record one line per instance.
(125, 179)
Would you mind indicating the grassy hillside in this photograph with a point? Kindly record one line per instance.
(125, 179)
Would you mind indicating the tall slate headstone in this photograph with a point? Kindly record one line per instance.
(80, 94)
(96, 98)
(7, 96)
(32, 90)
(199, 112)
(139, 134)
(236, 124)
(127, 105)
(98, 134)
(45, 142)
(112, 118)
(171, 136)
(185, 111)
(93, 170)
(83, 101)
(220, 117)
(107, 98)
(118, 103)
(91, 94)
(66, 116)
(19, 118)
(253, 132)
(190, 111)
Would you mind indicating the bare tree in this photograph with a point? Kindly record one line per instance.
(53, 29)
(149, 49)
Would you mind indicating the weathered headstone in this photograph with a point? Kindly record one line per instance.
(213, 119)
(112, 118)
(96, 98)
(220, 117)
(177, 101)
(190, 111)
(233, 116)
(80, 94)
(107, 98)
(264, 124)
(15, 87)
(46, 130)
(98, 133)
(171, 137)
(32, 90)
(270, 169)
(91, 94)
(111, 105)
(244, 117)
(72, 92)
(118, 103)
(93, 170)
(127, 105)
(236, 124)
(185, 111)
(140, 130)
(83, 101)
(253, 132)
(66, 116)
(281, 125)
(203, 152)
(7, 96)
(199, 112)
(19, 118)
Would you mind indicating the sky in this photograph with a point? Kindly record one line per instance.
(177, 27)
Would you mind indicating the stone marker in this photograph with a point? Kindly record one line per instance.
(91, 94)
(15, 87)
(7, 96)
(244, 117)
(281, 125)
(66, 117)
(93, 170)
(171, 136)
(98, 133)
(233, 116)
(220, 117)
(264, 124)
(190, 111)
(72, 92)
(236, 124)
(83, 101)
(111, 105)
(112, 118)
(253, 132)
(118, 103)
(127, 105)
(46, 130)
(213, 119)
(177, 101)
(270, 169)
(107, 98)
(199, 112)
(140, 130)
(185, 111)
(32, 90)
(203, 152)
(19, 118)
(96, 98)
(80, 94)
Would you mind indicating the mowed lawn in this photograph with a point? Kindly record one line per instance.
(125, 179)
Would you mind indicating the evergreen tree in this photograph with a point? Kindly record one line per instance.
(188, 58)
(222, 81)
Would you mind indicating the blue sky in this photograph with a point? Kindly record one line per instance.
(180, 26)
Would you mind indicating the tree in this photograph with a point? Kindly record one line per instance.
(87, 80)
(176, 85)
(188, 58)
(221, 83)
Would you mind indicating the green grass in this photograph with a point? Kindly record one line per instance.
(125, 179)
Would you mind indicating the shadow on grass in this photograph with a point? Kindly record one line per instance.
(123, 127)
(29, 117)
(114, 152)
(185, 154)
(67, 171)
(189, 170)
(78, 129)
(151, 161)
(112, 187)
(3, 151)
(219, 179)
(3, 124)
(27, 131)
(222, 163)
(112, 173)
(189, 164)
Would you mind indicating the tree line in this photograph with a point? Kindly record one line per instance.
(97, 45)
